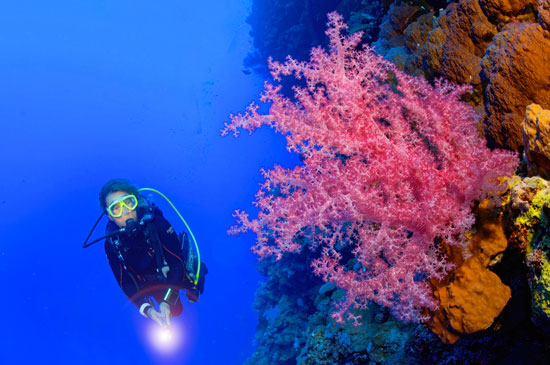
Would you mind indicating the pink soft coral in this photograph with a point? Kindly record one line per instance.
(391, 168)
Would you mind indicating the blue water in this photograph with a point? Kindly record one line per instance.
(94, 90)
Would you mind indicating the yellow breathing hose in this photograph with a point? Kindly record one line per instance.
(186, 225)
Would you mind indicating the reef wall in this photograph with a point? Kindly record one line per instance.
(495, 306)
(497, 46)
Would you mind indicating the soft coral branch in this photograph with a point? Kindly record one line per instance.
(392, 166)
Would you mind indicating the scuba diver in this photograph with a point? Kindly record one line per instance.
(148, 258)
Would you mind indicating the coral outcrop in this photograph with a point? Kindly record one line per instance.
(455, 46)
(516, 66)
(391, 42)
(544, 15)
(530, 208)
(295, 307)
(536, 140)
(475, 295)
(497, 46)
(504, 11)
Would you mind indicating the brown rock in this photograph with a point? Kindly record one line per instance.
(475, 296)
(399, 16)
(417, 32)
(454, 49)
(517, 67)
(536, 139)
(508, 69)
(504, 11)
(544, 14)
(474, 299)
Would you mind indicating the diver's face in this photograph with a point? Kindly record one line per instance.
(126, 213)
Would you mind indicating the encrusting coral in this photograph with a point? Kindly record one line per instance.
(536, 139)
(474, 296)
(530, 209)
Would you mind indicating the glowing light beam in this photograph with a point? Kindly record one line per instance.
(166, 340)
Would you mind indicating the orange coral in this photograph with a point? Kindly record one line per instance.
(475, 296)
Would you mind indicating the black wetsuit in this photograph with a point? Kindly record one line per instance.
(138, 271)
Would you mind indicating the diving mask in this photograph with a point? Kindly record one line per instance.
(115, 209)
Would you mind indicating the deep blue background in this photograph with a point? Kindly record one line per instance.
(93, 90)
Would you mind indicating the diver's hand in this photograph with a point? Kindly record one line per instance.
(155, 316)
(165, 312)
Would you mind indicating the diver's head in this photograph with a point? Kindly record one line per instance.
(119, 199)
(121, 206)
